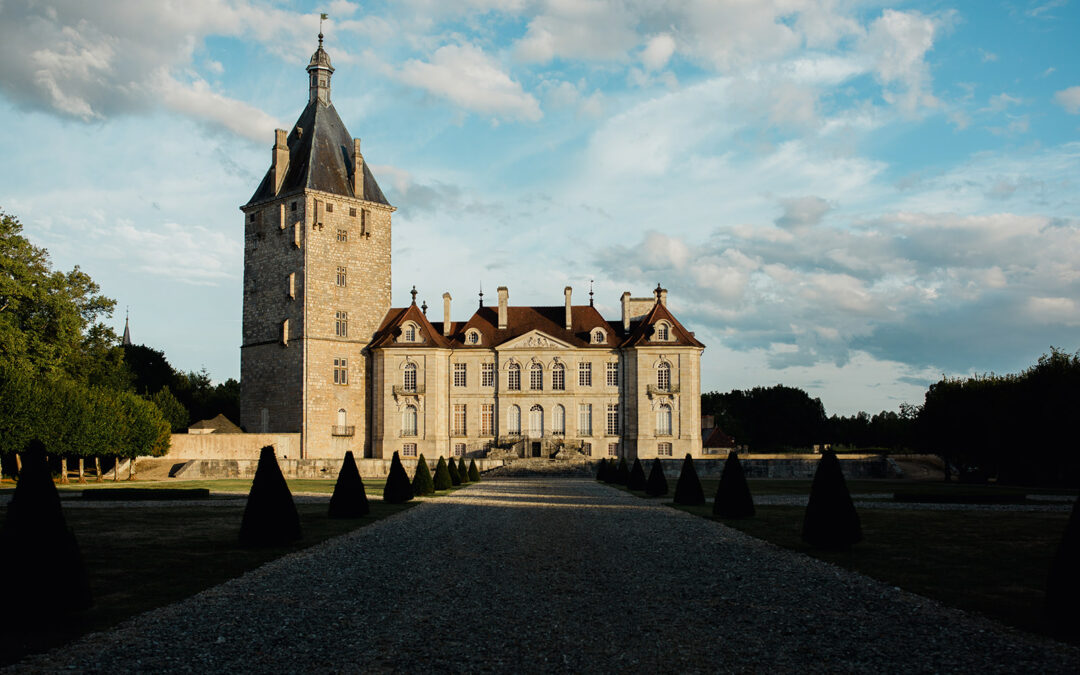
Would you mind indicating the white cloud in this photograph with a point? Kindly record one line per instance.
(898, 43)
(466, 76)
(658, 51)
(198, 101)
(802, 212)
(1069, 99)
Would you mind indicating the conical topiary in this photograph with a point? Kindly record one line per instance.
(611, 473)
(397, 490)
(656, 486)
(41, 560)
(688, 491)
(733, 499)
(636, 479)
(270, 517)
(455, 477)
(831, 520)
(622, 472)
(601, 471)
(421, 480)
(474, 473)
(442, 475)
(463, 471)
(1063, 585)
(349, 499)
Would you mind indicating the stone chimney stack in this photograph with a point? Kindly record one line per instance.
(626, 311)
(663, 297)
(567, 291)
(279, 164)
(358, 170)
(504, 295)
(445, 309)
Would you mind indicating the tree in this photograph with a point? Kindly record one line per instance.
(688, 491)
(733, 498)
(270, 516)
(171, 409)
(349, 499)
(463, 471)
(455, 477)
(656, 486)
(443, 481)
(622, 473)
(421, 482)
(474, 474)
(831, 521)
(768, 418)
(1063, 585)
(636, 479)
(397, 490)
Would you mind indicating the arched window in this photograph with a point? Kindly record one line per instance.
(408, 421)
(662, 331)
(342, 418)
(513, 377)
(663, 376)
(410, 377)
(536, 376)
(663, 420)
(536, 421)
(558, 377)
(558, 420)
(598, 336)
(473, 338)
(410, 333)
(513, 420)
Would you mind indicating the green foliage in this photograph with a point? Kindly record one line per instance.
(463, 471)
(1063, 585)
(733, 498)
(443, 481)
(688, 490)
(146, 432)
(455, 476)
(421, 482)
(349, 499)
(636, 479)
(751, 417)
(397, 490)
(831, 521)
(656, 486)
(270, 516)
(171, 409)
(474, 473)
(622, 473)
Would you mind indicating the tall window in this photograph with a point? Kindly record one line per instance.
(558, 420)
(363, 221)
(587, 449)
(513, 420)
(558, 377)
(584, 419)
(408, 421)
(487, 374)
(598, 336)
(612, 374)
(487, 419)
(459, 419)
(343, 236)
(408, 450)
(663, 449)
(459, 375)
(663, 420)
(410, 377)
(536, 376)
(341, 324)
(536, 421)
(459, 449)
(663, 376)
(342, 274)
(584, 374)
(662, 331)
(612, 428)
(341, 371)
(513, 377)
(612, 449)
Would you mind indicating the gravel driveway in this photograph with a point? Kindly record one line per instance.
(551, 574)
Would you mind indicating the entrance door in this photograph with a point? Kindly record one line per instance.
(535, 449)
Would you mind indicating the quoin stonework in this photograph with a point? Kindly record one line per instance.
(325, 355)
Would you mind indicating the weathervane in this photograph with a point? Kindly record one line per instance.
(590, 293)
(481, 294)
(322, 17)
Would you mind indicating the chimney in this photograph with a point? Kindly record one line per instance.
(626, 311)
(446, 314)
(663, 297)
(358, 170)
(280, 162)
(566, 292)
(504, 295)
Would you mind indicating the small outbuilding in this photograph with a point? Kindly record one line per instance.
(216, 425)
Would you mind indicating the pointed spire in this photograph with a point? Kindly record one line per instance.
(319, 72)
(590, 293)
(413, 294)
(127, 329)
(481, 296)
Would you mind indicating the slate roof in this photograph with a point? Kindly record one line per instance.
(391, 325)
(320, 158)
(718, 439)
(642, 332)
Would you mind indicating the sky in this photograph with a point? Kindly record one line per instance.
(855, 198)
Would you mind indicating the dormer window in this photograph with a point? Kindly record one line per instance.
(409, 333)
(598, 337)
(663, 331)
(472, 337)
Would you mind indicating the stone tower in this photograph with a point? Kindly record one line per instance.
(316, 282)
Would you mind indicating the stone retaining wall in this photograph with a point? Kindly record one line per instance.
(786, 466)
(231, 446)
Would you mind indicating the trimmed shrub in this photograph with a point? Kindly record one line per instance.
(636, 479)
(656, 486)
(622, 472)
(688, 491)
(831, 521)
(442, 475)
(474, 473)
(1063, 585)
(455, 476)
(601, 470)
(349, 499)
(397, 490)
(611, 473)
(421, 480)
(41, 561)
(733, 499)
(270, 517)
(463, 471)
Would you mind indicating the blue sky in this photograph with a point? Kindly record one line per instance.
(850, 197)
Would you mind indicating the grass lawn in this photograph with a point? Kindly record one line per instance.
(782, 486)
(372, 486)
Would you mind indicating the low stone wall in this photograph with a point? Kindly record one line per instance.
(231, 446)
(786, 466)
(302, 468)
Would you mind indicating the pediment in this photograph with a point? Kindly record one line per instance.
(535, 339)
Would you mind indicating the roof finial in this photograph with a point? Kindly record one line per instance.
(413, 293)
(590, 293)
(322, 17)
(481, 294)
(423, 308)
(658, 291)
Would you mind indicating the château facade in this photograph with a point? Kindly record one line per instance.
(324, 354)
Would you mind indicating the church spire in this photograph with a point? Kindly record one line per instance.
(127, 330)
(319, 72)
